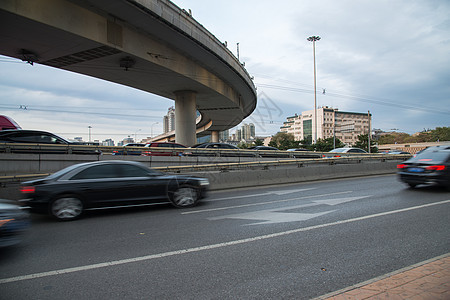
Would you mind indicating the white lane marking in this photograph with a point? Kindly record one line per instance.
(271, 216)
(261, 203)
(210, 247)
(279, 193)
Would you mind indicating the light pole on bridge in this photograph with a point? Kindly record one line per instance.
(89, 127)
(313, 39)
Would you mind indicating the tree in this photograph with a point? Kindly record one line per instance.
(283, 141)
(363, 143)
(243, 145)
(258, 142)
(441, 134)
(325, 145)
(427, 135)
(306, 143)
(395, 137)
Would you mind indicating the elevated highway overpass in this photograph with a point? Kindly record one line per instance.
(150, 45)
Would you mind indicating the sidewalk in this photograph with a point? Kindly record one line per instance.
(427, 280)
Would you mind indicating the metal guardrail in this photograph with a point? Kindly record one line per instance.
(268, 164)
(160, 151)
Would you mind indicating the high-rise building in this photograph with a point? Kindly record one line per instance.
(239, 134)
(108, 142)
(169, 120)
(224, 135)
(248, 131)
(346, 126)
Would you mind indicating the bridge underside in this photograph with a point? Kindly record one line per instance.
(142, 52)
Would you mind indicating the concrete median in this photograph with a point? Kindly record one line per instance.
(292, 174)
(241, 174)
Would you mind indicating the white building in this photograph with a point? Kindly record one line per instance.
(347, 126)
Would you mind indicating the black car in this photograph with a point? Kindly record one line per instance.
(67, 193)
(13, 222)
(430, 166)
(44, 143)
(263, 148)
(217, 149)
(215, 146)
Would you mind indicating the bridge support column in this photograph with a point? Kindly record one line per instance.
(214, 136)
(185, 116)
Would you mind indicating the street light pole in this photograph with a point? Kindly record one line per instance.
(135, 135)
(370, 131)
(151, 129)
(89, 127)
(313, 39)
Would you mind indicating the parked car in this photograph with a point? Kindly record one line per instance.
(126, 151)
(69, 192)
(335, 152)
(43, 138)
(431, 166)
(171, 149)
(13, 223)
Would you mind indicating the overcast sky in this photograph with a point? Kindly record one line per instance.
(389, 57)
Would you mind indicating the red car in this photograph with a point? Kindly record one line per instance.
(170, 147)
(8, 123)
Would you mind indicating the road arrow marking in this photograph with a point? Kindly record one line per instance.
(262, 203)
(279, 193)
(272, 216)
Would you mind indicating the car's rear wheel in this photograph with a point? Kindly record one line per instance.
(412, 185)
(184, 196)
(66, 208)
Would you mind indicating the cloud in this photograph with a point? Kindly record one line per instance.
(386, 56)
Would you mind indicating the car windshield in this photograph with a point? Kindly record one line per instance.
(431, 157)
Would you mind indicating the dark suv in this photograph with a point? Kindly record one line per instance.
(429, 166)
(43, 143)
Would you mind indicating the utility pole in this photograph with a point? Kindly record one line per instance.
(313, 39)
(334, 128)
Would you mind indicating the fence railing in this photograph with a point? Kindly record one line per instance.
(163, 151)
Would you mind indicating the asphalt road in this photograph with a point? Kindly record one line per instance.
(296, 241)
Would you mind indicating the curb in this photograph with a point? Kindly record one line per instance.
(364, 283)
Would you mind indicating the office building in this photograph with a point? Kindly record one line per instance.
(346, 126)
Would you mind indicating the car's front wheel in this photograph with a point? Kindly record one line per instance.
(66, 208)
(412, 185)
(184, 197)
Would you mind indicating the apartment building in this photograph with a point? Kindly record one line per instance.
(347, 126)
